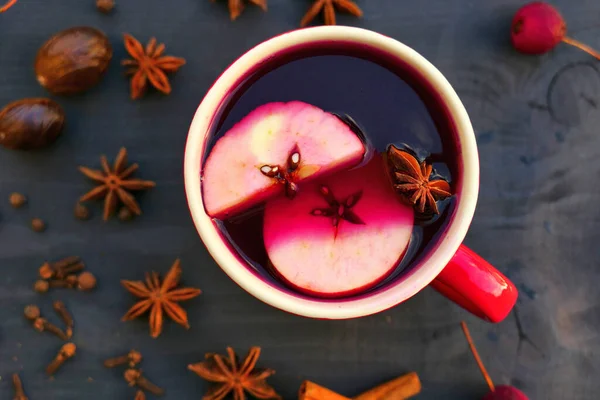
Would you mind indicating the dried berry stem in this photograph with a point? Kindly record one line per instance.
(7, 5)
(18, 385)
(581, 46)
(484, 372)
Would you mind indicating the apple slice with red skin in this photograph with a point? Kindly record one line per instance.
(340, 235)
(270, 151)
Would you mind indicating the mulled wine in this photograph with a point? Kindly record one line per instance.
(331, 170)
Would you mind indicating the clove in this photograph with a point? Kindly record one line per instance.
(139, 395)
(66, 351)
(132, 358)
(18, 385)
(134, 377)
(41, 325)
(60, 269)
(62, 312)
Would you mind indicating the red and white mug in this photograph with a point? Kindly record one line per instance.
(450, 267)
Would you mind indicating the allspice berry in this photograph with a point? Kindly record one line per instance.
(38, 225)
(86, 281)
(31, 123)
(17, 200)
(81, 212)
(105, 6)
(73, 60)
(41, 286)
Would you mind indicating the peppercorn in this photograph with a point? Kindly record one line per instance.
(38, 225)
(17, 200)
(86, 281)
(81, 212)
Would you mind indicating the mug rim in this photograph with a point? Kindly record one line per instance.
(397, 292)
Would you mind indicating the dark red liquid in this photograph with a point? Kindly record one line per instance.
(390, 104)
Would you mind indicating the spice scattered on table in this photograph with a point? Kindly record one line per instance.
(232, 377)
(32, 313)
(63, 274)
(86, 281)
(237, 6)
(115, 184)
(312, 391)
(160, 298)
(134, 377)
(328, 8)
(538, 27)
(8, 5)
(60, 269)
(81, 212)
(38, 225)
(149, 65)
(105, 6)
(415, 182)
(31, 123)
(139, 395)
(125, 214)
(403, 387)
(502, 392)
(18, 387)
(132, 358)
(41, 286)
(17, 200)
(62, 312)
(66, 352)
(73, 60)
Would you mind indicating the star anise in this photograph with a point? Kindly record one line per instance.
(115, 184)
(338, 210)
(149, 64)
(231, 377)
(413, 181)
(160, 297)
(237, 6)
(328, 8)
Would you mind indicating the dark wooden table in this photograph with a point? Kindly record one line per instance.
(536, 120)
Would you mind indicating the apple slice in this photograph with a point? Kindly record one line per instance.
(340, 235)
(271, 150)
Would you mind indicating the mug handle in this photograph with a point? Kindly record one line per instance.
(472, 283)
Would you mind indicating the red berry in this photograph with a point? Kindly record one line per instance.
(503, 392)
(537, 28)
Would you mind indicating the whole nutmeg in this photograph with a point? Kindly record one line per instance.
(73, 60)
(31, 123)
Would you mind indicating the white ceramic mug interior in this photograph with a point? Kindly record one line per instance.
(404, 286)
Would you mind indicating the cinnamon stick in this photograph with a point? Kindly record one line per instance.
(403, 387)
(311, 391)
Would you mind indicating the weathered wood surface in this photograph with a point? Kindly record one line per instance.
(536, 120)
